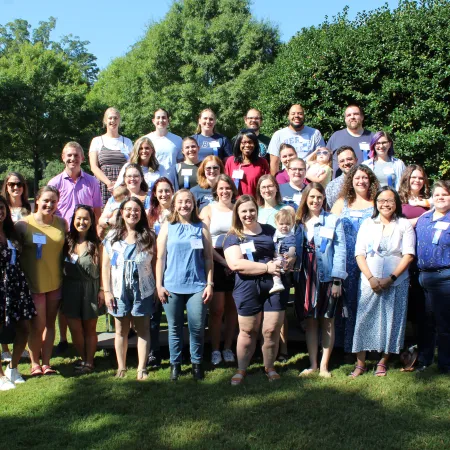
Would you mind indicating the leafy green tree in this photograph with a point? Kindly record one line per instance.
(205, 53)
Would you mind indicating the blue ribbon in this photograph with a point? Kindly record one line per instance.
(355, 223)
(365, 155)
(370, 249)
(249, 254)
(390, 180)
(157, 228)
(323, 245)
(236, 182)
(114, 259)
(38, 251)
(215, 151)
(186, 182)
(13, 253)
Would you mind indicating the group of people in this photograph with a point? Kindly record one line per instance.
(233, 227)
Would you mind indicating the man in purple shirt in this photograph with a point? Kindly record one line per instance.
(75, 187)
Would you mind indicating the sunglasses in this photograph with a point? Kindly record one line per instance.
(12, 184)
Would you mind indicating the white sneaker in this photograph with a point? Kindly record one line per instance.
(13, 375)
(228, 356)
(216, 358)
(5, 384)
(277, 287)
(25, 355)
(6, 356)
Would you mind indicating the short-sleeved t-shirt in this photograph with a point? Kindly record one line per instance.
(304, 141)
(252, 173)
(291, 196)
(203, 196)
(217, 144)
(167, 148)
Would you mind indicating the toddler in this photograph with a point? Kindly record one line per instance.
(319, 165)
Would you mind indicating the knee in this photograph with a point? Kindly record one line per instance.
(270, 332)
(248, 333)
(216, 313)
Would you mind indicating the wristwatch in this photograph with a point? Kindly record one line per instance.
(393, 277)
(210, 284)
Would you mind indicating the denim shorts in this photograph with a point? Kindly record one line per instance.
(132, 303)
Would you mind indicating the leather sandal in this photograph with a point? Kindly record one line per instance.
(121, 373)
(272, 374)
(142, 374)
(36, 371)
(355, 375)
(47, 370)
(238, 377)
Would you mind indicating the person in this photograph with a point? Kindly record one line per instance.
(354, 135)
(15, 191)
(287, 153)
(303, 138)
(207, 175)
(160, 200)
(253, 121)
(209, 141)
(414, 192)
(387, 168)
(184, 278)
(346, 159)
(144, 154)
(433, 261)
(385, 246)
(128, 281)
(82, 295)
(167, 145)
(246, 167)
(319, 166)
(108, 153)
(354, 205)
(42, 237)
(217, 217)
(16, 305)
(249, 250)
(291, 193)
(321, 254)
(184, 174)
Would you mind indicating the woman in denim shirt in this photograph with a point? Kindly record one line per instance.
(321, 254)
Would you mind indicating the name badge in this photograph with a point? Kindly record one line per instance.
(73, 258)
(238, 174)
(388, 171)
(196, 244)
(214, 144)
(364, 146)
(327, 233)
(357, 214)
(297, 198)
(440, 225)
(186, 172)
(248, 246)
(39, 238)
(10, 245)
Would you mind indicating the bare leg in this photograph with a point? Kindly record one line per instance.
(327, 326)
(36, 331)
(77, 332)
(63, 322)
(273, 320)
(231, 320)
(246, 343)
(142, 327)
(284, 337)
(312, 341)
(90, 339)
(22, 331)
(216, 310)
(52, 307)
(5, 348)
(122, 325)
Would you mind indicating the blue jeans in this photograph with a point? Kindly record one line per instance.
(155, 324)
(435, 320)
(196, 313)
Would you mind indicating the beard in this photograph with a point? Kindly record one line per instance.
(297, 126)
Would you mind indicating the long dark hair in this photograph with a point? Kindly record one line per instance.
(145, 237)
(144, 185)
(302, 214)
(8, 224)
(398, 203)
(237, 146)
(155, 207)
(404, 191)
(23, 197)
(92, 239)
(42, 191)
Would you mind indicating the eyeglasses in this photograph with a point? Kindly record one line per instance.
(383, 201)
(11, 184)
(297, 169)
(210, 168)
(269, 187)
(129, 210)
(132, 176)
(383, 143)
(253, 118)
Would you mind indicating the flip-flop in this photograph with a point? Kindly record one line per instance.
(47, 370)
(36, 371)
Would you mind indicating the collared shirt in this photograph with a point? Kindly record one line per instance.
(85, 191)
(429, 255)
(333, 189)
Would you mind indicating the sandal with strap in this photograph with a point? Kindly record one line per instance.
(36, 371)
(47, 370)
(86, 369)
(121, 373)
(355, 375)
(272, 374)
(238, 377)
(382, 372)
(142, 374)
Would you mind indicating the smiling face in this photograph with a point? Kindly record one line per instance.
(212, 171)
(190, 149)
(111, 119)
(164, 194)
(297, 172)
(82, 220)
(131, 213)
(361, 183)
(47, 203)
(184, 205)
(346, 160)
(247, 147)
(224, 192)
(253, 120)
(145, 151)
(296, 117)
(287, 154)
(441, 199)
(267, 190)
(353, 118)
(14, 187)
(160, 120)
(382, 147)
(132, 179)
(248, 213)
(72, 158)
(416, 181)
(386, 204)
(207, 122)
(314, 201)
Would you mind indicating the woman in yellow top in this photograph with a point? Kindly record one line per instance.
(42, 236)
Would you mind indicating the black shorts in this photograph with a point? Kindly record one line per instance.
(223, 282)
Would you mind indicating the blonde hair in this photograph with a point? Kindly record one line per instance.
(199, 128)
(286, 214)
(73, 144)
(111, 109)
(313, 158)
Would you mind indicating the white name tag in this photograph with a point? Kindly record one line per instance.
(388, 171)
(186, 172)
(214, 144)
(356, 214)
(441, 225)
(248, 246)
(327, 233)
(73, 258)
(365, 146)
(238, 174)
(196, 244)
(39, 238)
(297, 198)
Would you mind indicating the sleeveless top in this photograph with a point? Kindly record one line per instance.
(220, 223)
(185, 266)
(43, 274)
(111, 157)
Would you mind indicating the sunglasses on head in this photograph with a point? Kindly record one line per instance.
(12, 184)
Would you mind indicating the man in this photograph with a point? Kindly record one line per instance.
(346, 159)
(291, 193)
(253, 121)
(303, 138)
(75, 187)
(354, 136)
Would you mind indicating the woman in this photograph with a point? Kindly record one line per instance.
(167, 144)
(320, 248)
(128, 281)
(160, 200)
(249, 250)
(414, 192)
(354, 205)
(386, 167)
(209, 141)
(143, 154)
(385, 247)
(16, 304)
(15, 191)
(291, 193)
(433, 260)
(184, 174)
(207, 175)
(108, 153)
(217, 217)
(287, 153)
(82, 294)
(42, 235)
(136, 186)
(247, 166)
(184, 278)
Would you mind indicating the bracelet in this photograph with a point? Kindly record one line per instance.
(368, 279)
(106, 292)
(210, 284)
(101, 288)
